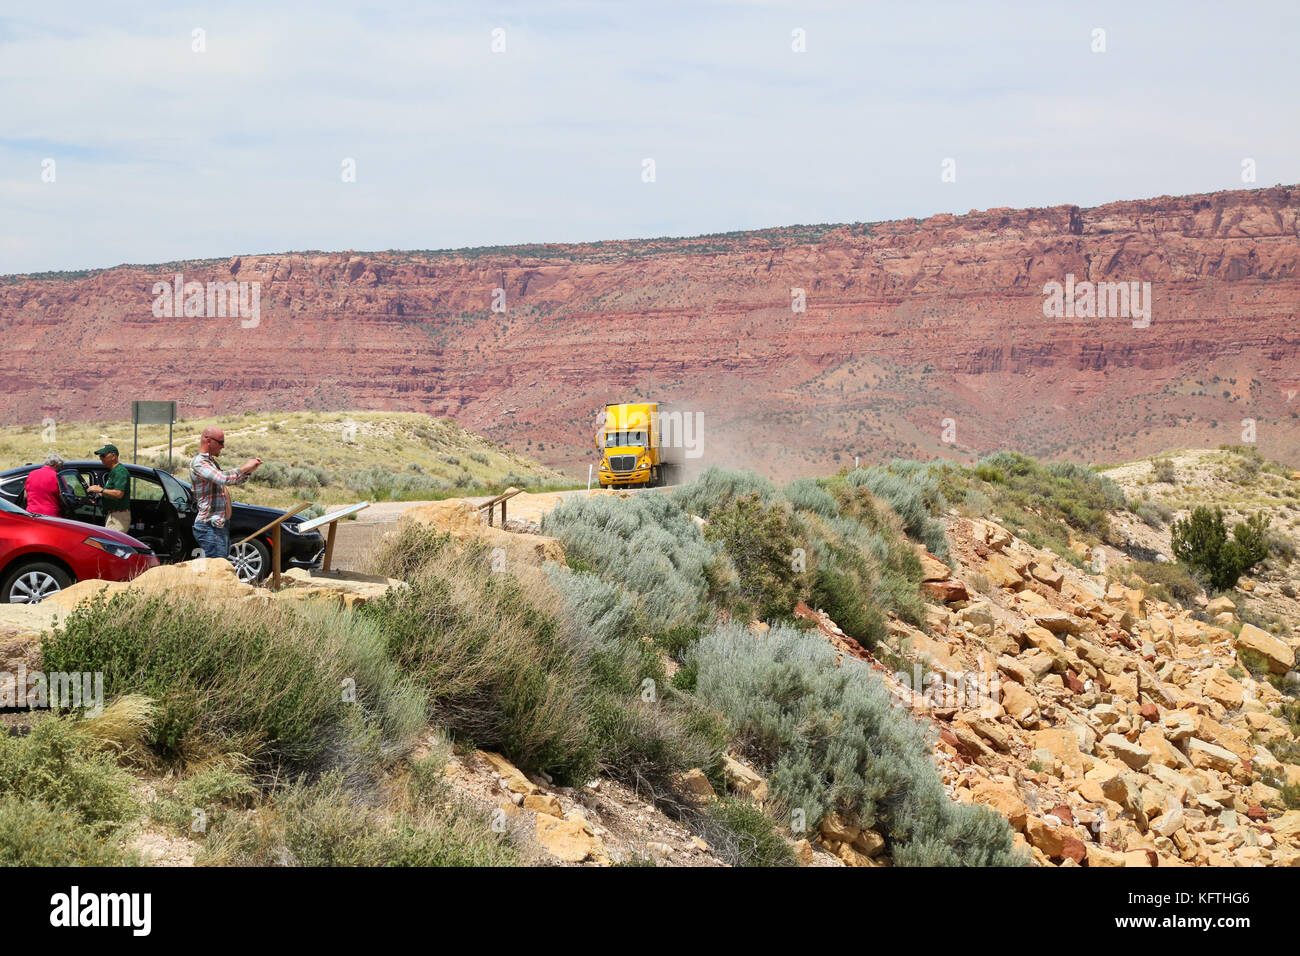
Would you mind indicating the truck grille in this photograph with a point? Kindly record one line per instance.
(622, 462)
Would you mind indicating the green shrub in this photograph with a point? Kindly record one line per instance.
(1290, 796)
(970, 835)
(805, 494)
(264, 681)
(1201, 541)
(1044, 500)
(611, 623)
(868, 545)
(33, 833)
(1170, 581)
(838, 590)
(676, 640)
(553, 667)
(1282, 547)
(214, 789)
(913, 494)
(743, 835)
(1162, 470)
(378, 483)
(325, 824)
(830, 739)
(759, 540)
(857, 563)
(716, 486)
(1153, 513)
(645, 744)
(59, 765)
(649, 546)
(641, 741)
(496, 664)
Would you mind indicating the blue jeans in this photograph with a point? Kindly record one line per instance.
(213, 542)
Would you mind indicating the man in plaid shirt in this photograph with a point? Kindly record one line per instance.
(211, 528)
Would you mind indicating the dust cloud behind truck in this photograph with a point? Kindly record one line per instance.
(640, 445)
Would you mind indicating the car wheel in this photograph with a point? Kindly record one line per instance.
(252, 561)
(33, 583)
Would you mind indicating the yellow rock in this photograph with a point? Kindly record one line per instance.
(543, 803)
(851, 856)
(1162, 751)
(835, 828)
(1063, 744)
(1032, 600)
(1002, 573)
(1019, 704)
(1103, 856)
(696, 785)
(1219, 605)
(744, 779)
(1279, 654)
(1226, 737)
(200, 578)
(463, 520)
(568, 840)
(1003, 799)
(351, 588)
(1207, 756)
(1123, 686)
(1187, 631)
(1045, 573)
(1219, 685)
(803, 852)
(869, 843)
(1045, 837)
(515, 780)
(1287, 826)
(1090, 790)
(932, 569)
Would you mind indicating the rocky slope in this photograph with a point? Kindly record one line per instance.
(1109, 727)
(907, 324)
(1121, 731)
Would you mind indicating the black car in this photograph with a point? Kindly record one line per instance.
(162, 516)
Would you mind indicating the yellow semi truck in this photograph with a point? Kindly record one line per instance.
(636, 446)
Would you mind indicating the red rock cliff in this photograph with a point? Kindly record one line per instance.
(907, 324)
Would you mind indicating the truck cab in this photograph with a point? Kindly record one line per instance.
(631, 447)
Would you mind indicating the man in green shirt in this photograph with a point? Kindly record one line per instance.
(115, 492)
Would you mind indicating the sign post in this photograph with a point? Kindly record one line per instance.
(331, 519)
(274, 528)
(152, 413)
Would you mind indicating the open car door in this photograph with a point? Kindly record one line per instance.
(77, 503)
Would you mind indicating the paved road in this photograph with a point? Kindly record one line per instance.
(356, 538)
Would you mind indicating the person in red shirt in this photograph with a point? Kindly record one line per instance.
(43, 487)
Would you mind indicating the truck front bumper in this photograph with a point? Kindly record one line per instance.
(637, 477)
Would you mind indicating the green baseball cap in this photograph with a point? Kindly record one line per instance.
(107, 449)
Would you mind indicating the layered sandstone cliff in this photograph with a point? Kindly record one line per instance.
(918, 338)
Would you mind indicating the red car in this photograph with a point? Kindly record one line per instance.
(41, 555)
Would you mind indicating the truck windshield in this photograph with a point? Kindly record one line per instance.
(624, 439)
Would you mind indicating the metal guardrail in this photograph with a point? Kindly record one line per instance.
(274, 528)
(501, 499)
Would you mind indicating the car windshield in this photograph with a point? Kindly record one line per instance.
(624, 439)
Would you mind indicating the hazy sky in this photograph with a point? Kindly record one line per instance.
(160, 152)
